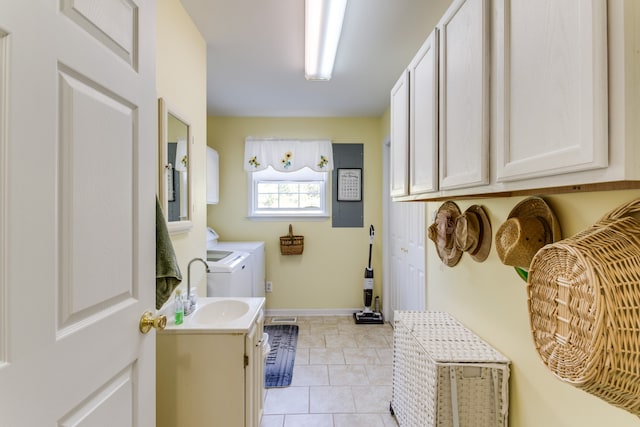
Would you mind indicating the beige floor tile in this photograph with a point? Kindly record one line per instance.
(308, 420)
(340, 341)
(372, 399)
(331, 399)
(304, 375)
(350, 328)
(342, 377)
(385, 355)
(288, 400)
(324, 329)
(361, 356)
(311, 319)
(304, 329)
(339, 319)
(348, 375)
(310, 341)
(326, 356)
(389, 420)
(302, 356)
(371, 340)
(357, 420)
(379, 374)
(272, 421)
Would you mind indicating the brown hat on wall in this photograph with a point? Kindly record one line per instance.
(473, 233)
(442, 233)
(531, 225)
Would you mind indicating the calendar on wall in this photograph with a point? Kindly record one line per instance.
(350, 185)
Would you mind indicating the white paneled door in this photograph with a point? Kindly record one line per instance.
(77, 232)
(408, 257)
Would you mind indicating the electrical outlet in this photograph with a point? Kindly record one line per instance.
(268, 287)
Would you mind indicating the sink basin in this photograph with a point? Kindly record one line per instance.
(221, 311)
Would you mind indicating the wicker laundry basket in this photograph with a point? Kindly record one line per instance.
(584, 308)
(291, 244)
(444, 375)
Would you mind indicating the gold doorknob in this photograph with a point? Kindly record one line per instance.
(147, 321)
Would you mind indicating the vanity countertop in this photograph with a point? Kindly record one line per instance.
(216, 315)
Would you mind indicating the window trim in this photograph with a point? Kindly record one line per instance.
(288, 215)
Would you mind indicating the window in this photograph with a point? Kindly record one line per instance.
(299, 194)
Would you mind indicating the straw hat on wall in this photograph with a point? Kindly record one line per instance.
(531, 225)
(473, 233)
(441, 232)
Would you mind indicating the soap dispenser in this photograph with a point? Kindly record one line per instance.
(179, 307)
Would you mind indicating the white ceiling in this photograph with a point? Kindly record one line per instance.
(255, 56)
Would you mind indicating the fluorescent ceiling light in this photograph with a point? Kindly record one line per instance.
(323, 25)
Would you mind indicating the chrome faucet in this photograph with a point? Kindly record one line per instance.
(188, 306)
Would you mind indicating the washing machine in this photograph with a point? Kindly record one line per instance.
(256, 261)
(229, 273)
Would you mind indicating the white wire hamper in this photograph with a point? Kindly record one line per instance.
(445, 375)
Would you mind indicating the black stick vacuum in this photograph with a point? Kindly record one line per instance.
(367, 316)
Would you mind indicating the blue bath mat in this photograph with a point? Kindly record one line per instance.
(278, 370)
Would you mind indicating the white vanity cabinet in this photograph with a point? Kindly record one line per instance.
(210, 378)
(254, 374)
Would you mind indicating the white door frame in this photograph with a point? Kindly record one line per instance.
(388, 292)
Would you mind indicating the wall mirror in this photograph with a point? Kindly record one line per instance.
(174, 186)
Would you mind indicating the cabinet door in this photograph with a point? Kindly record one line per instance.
(252, 405)
(423, 123)
(552, 108)
(254, 374)
(464, 95)
(400, 136)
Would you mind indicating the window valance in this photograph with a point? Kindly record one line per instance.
(287, 155)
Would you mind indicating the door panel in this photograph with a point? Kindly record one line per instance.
(407, 256)
(77, 220)
(96, 131)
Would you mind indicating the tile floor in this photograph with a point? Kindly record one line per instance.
(341, 377)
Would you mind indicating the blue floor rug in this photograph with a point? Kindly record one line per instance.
(278, 370)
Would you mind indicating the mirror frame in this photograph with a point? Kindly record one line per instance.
(164, 109)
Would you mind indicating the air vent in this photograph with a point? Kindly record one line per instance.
(284, 319)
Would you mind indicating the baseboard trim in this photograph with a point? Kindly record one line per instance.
(311, 312)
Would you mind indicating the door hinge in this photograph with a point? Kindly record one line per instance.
(246, 360)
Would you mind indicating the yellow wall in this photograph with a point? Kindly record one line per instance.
(329, 274)
(491, 300)
(181, 80)
(488, 297)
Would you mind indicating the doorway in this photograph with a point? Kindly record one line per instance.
(404, 253)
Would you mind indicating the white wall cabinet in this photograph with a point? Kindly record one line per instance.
(442, 139)
(206, 379)
(552, 60)
(399, 184)
(423, 122)
(213, 177)
(464, 94)
(554, 108)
